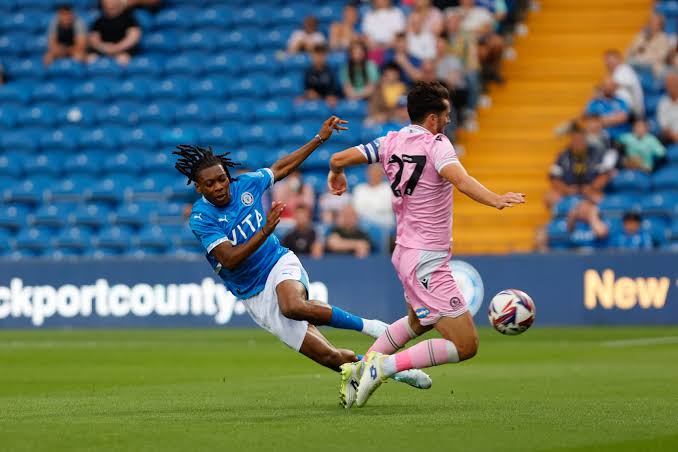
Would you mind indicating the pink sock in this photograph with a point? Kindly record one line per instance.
(396, 335)
(432, 352)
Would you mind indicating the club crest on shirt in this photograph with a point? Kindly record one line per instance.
(247, 198)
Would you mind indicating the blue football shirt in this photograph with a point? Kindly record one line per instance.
(236, 223)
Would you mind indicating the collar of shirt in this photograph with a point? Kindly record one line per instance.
(415, 129)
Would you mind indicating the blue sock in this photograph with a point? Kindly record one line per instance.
(345, 320)
(360, 357)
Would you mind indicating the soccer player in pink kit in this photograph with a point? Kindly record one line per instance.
(422, 167)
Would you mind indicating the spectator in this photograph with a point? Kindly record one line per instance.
(384, 100)
(421, 43)
(641, 148)
(480, 22)
(629, 88)
(497, 8)
(306, 39)
(431, 17)
(667, 110)
(331, 205)
(319, 80)
(652, 45)
(450, 69)
(346, 237)
(613, 111)
(359, 75)
(292, 192)
(631, 237)
(115, 33)
(462, 45)
(372, 200)
(579, 170)
(343, 33)
(302, 239)
(66, 37)
(399, 55)
(429, 73)
(381, 24)
(596, 135)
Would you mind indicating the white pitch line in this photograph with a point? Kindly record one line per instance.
(644, 341)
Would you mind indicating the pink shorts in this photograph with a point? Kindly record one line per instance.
(429, 286)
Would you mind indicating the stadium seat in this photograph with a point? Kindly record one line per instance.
(129, 162)
(89, 162)
(123, 113)
(13, 217)
(152, 187)
(235, 110)
(197, 40)
(8, 116)
(132, 214)
(35, 240)
(240, 40)
(100, 138)
(258, 135)
(565, 205)
(186, 63)
(158, 112)
(70, 188)
(178, 135)
(671, 152)
(18, 93)
(12, 164)
(171, 213)
(65, 139)
(151, 238)
(351, 110)
(249, 87)
(51, 215)
(149, 65)
(82, 113)
(272, 40)
(53, 91)
(45, 163)
(26, 69)
(224, 63)
(165, 42)
(111, 189)
(274, 111)
(104, 67)
(224, 136)
(211, 88)
(616, 204)
(157, 161)
(558, 235)
(92, 91)
(286, 86)
(115, 238)
(316, 110)
(200, 112)
(65, 69)
(263, 63)
(90, 215)
(660, 203)
(29, 191)
(42, 115)
(217, 17)
(144, 137)
(23, 140)
(658, 228)
(299, 133)
(170, 88)
(666, 179)
(181, 191)
(74, 238)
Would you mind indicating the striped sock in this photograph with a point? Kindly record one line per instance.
(432, 352)
(396, 335)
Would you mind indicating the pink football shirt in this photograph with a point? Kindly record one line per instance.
(422, 200)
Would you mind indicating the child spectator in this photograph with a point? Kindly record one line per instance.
(343, 33)
(613, 111)
(346, 237)
(66, 36)
(667, 110)
(652, 46)
(115, 33)
(384, 100)
(631, 237)
(306, 39)
(641, 148)
(359, 75)
(302, 239)
(319, 79)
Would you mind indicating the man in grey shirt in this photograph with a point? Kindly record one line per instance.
(67, 36)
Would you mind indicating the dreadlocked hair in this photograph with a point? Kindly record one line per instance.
(194, 159)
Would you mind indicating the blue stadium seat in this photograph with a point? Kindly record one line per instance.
(158, 161)
(152, 237)
(51, 215)
(92, 91)
(45, 163)
(8, 116)
(658, 228)
(12, 163)
(36, 240)
(43, 115)
(651, 103)
(66, 139)
(13, 44)
(286, 86)
(564, 206)
(187, 239)
(171, 213)
(259, 16)
(115, 238)
(132, 214)
(671, 151)
(16, 93)
(176, 18)
(90, 215)
(123, 113)
(197, 40)
(263, 63)
(200, 112)
(29, 191)
(74, 238)
(351, 110)
(135, 88)
(557, 233)
(13, 217)
(241, 40)
(22, 20)
(111, 189)
(616, 204)
(72, 188)
(295, 63)
(258, 135)
(146, 65)
(144, 137)
(316, 110)
(213, 17)
(291, 14)
(224, 63)
(347, 138)
(249, 87)
(65, 69)
(666, 179)
(99, 138)
(186, 63)
(272, 40)
(24, 140)
(299, 133)
(82, 113)
(89, 162)
(26, 69)
(158, 112)
(274, 111)
(35, 44)
(673, 232)
(212, 88)
(235, 110)
(223, 136)
(129, 162)
(180, 191)
(329, 12)
(104, 67)
(178, 135)
(660, 203)
(152, 186)
(55, 91)
(320, 159)
(172, 88)
(165, 42)
(336, 60)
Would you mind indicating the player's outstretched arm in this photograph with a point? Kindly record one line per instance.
(336, 179)
(469, 185)
(231, 256)
(283, 167)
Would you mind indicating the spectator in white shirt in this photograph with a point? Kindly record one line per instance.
(431, 16)
(306, 39)
(476, 19)
(667, 111)
(372, 200)
(382, 23)
(629, 88)
(420, 42)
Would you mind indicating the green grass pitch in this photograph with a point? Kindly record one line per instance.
(552, 389)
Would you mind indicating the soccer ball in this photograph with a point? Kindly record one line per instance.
(511, 312)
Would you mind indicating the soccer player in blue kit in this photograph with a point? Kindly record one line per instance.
(240, 246)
